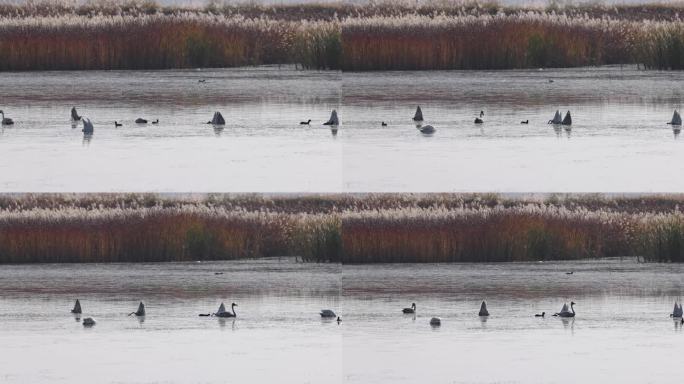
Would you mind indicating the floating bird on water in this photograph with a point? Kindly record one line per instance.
(333, 119)
(418, 116)
(483, 309)
(117, 124)
(202, 81)
(567, 120)
(676, 119)
(77, 307)
(540, 314)
(525, 122)
(156, 121)
(6, 120)
(88, 322)
(557, 118)
(140, 311)
(88, 128)
(305, 122)
(564, 311)
(223, 313)
(74, 115)
(435, 321)
(410, 310)
(677, 311)
(140, 120)
(339, 320)
(427, 129)
(383, 124)
(570, 273)
(217, 119)
(478, 120)
(327, 313)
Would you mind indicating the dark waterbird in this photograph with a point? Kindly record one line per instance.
(525, 122)
(77, 307)
(140, 311)
(427, 129)
(410, 310)
(557, 119)
(305, 122)
(327, 313)
(88, 128)
(88, 322)
(117, 124)
(540, 314)
(334, 120)
(483, 309)
(140, 120)
(567, 120)
(676, 119)
(223, 313)
(383, 124)
(565, 312)
(74, 115)
(478, 120)
(6, 120)
(570, 273)
(217, 119)
(339, 319)
(418, 116)
(156, 122)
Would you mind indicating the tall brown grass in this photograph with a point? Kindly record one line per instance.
(338, 228)
(500, 41)
(162, 41)
(141, 34)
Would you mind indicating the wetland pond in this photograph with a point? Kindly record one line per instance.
(622, 332)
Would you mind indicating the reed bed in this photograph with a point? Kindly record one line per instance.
(338, 228)
(183, 40)
(500, 41)
(377, 36)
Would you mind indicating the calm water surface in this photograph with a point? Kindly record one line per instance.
(618, 142)
(622, 332)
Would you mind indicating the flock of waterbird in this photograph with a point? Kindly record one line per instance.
(565, 312)
(334, 121)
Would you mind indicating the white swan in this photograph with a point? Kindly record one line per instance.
(565, 312)
(223, 313)
(419, 115)
(483, 309)
(334, 120)
(77, 307)
(435, 321)
(676, 119)
(140, 311)
(327, 313)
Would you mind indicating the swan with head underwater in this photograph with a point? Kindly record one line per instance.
(334, 120)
